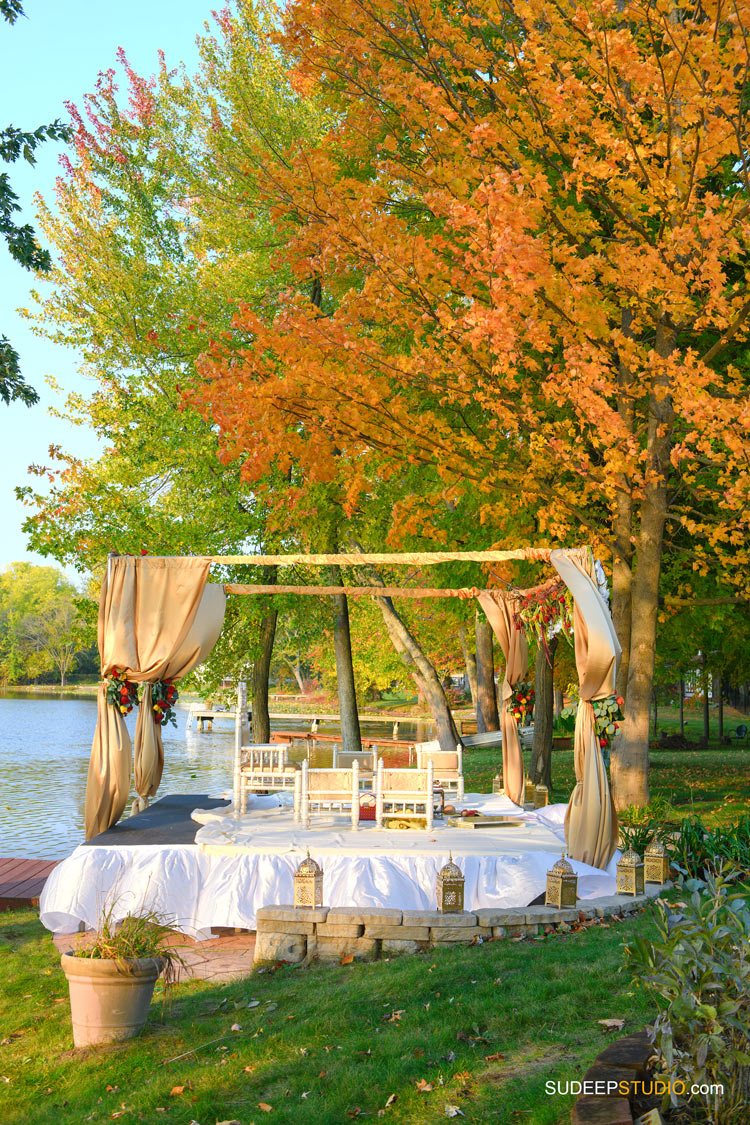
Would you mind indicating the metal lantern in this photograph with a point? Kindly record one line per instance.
(656, 863)
(562, 885)
(630, 874)
(450, 888)
(529, 790)
(541, 796)
(308, 883)
(497, 783)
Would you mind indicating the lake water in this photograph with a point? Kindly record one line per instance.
(45, 743)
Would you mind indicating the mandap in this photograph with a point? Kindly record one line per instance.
(159, 617)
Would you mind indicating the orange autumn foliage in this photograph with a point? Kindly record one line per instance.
(527, 230)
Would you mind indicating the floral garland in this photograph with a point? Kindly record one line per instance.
(608, 715)
(122, 693)
(521, 703)
(164, 695)
(544, 610)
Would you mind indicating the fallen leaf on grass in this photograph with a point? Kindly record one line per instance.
(424, 1087)
(391, 1100)
(265, 1107)
(306, 1094)
(497, 1057)
(612, 1024)
(395, 1016)
(453, 1111)
(249, 1069)
(176, 1090)
(236, 1027)
(111, 1089)
(322, 1074)
(348, 959)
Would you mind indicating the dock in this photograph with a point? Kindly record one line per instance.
(22, 881)
(204, 718)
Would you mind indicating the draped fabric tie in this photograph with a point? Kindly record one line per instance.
(591, 820)
(158, 619)
(500, 610)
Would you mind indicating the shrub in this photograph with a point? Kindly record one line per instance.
(697, 851)
(699, 972)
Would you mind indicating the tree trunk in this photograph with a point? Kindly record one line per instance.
(351, 738)
(682, 707)
(720, 701)
(706, 706)
(261, 669)
(423, 673)
(294, 668)
(470, 660)
(541, 754)
(630, 749)
(486, 697)
(559, 701)
(655, 703)
(622, 573)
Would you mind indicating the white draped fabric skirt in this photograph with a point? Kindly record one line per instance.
(237, 865)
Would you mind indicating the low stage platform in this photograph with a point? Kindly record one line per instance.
(215, 870)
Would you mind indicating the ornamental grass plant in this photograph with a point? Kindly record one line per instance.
(136, 936)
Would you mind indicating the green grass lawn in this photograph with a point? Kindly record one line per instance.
(713, 784)
(484, 1026)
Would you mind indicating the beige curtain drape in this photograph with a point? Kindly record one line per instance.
(158, 619)
(500, 610)
(591, 820)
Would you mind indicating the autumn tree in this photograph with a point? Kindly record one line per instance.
(534, 220)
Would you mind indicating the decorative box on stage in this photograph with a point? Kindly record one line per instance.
(529, 790)
(308, 883)
(450, 888)
(656, 863)
(366, 807)
(497, 783)
(630, 874)
(562, 885)
(541, 796)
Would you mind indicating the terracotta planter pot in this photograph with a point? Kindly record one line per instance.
(562, 741)
(107, 1002)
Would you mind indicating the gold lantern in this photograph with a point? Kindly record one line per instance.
(497, 783)
(529, 790)
(450, 888)
(562, 885)
(308, 883)
(541, 796)
(656, 863)
(630, 874)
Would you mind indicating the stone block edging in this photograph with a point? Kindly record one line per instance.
(624, 1068)
(296, 934)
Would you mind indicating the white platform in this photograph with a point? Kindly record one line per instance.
(238, 865)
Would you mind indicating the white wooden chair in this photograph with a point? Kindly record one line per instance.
(263, 767)
(345, 759)
(326, 791)
(367, 760)
(404, 794)
(448, 766)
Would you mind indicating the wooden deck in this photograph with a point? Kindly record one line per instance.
(22, 880)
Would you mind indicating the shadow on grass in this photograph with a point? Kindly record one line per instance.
(481, 1028)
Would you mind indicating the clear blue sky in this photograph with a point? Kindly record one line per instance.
(50, 57)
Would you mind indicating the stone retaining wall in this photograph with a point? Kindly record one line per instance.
(294, 934)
